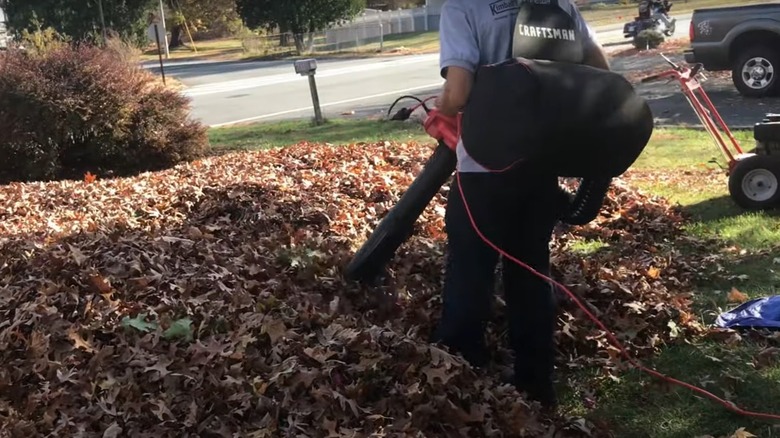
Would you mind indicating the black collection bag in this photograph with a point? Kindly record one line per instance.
(545, 107)
(575, 120)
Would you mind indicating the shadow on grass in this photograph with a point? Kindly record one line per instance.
(724, 207)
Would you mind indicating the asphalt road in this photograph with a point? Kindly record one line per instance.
(231, 92)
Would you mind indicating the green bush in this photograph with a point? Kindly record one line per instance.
(72, 110)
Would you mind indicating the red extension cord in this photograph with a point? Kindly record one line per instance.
(730, 406)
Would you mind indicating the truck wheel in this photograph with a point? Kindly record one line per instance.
(755, 72)
(754, 183)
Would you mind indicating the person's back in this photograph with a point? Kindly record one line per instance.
(516, 210)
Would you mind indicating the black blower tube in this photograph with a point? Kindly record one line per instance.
(393, 230)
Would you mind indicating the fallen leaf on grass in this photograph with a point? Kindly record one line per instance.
(139, 323)
(742, 433)
(767, 358)
(180, 329)
(654, 273)
(735, 296)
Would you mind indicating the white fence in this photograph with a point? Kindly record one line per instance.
(368, 31)
(3, 31)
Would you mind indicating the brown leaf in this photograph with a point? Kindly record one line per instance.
(79, 341)
(100, 284)
(112, 431)
(654, 273)
(275, 329)
(742, 433)
(767, 358)
(735, 296)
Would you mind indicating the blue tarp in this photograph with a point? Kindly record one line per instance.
(758, 313)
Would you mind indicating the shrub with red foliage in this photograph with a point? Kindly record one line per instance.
(84, 109)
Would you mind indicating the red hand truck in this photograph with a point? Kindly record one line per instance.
(753, 177)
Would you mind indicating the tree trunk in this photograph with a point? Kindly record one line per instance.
(175, 37)
(298, 43)
(310, 43)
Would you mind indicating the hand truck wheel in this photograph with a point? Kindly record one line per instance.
(754, 182)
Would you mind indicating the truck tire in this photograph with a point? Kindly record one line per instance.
(397, 226)
(755, 71)
(754, 183)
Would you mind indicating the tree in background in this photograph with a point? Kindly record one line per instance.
(80, 19)
(298, 17)
(218, 18)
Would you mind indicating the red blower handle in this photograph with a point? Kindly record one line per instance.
(443, 128)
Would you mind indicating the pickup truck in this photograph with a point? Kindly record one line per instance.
(743, 39)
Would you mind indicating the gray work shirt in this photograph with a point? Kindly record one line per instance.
(474, 33)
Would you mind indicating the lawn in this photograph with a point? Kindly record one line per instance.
(260, 48)
(677, 164)
(224, 48)
(336, 131)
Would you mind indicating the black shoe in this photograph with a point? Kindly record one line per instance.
(538, 391)
(543, 394)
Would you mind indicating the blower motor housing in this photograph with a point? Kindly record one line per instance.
(767, 135)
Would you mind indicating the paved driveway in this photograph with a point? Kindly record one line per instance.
(670, 106)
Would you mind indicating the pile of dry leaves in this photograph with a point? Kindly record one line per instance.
(208, 301)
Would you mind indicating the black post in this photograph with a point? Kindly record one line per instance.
(159, 52)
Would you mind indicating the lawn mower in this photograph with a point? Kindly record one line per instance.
(753, 177)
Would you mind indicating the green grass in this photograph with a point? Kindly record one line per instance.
(233, 48)
(219, 48)
(419, 41)
(639, 407)
(672, 166)
(335, 131)
(682, 156)
(685, 149)
(588, 247)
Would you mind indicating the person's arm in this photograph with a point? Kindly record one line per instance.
(457, 88)
(458, 59)
(595, 56)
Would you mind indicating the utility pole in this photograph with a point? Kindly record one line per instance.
(164, 31)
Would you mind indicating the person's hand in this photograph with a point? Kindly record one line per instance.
(443, 128)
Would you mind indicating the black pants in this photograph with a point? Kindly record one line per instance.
(517, 211)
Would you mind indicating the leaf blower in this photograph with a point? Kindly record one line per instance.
(576, 120)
